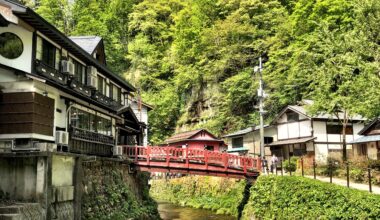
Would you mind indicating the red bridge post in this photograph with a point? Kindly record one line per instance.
(136, 152)
(167, 150)
(187, 157)
(205, 153)
(148, 152)
(225, 161)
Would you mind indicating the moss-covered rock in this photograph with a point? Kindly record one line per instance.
(111, 193)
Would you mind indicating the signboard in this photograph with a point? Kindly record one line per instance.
(7, 14)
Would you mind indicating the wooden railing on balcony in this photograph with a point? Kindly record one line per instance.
(89, 136)
(79, 87)
(50, 73)
(92, 143)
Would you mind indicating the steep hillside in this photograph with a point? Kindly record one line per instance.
(194, 60)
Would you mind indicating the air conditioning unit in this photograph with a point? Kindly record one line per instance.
(68, 67)
(118, 150)
(92, 81)
(91, 71)
(62, 138)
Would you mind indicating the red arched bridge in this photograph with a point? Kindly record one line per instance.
(192, 161)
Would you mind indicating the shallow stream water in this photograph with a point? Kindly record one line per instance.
(169, 211)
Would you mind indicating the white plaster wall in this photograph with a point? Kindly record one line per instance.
(357, 127)
(334, 137)
(320, 131)
(7, 76)
(305, 128)
(309, 146)
(294, 131)
(23, 62)
(301, 117)
(282, 119)
(321, 153)
(282, 131)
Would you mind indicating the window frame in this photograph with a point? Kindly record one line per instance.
(234, 144)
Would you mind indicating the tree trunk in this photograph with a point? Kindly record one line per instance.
(345, 121)
(344, 142)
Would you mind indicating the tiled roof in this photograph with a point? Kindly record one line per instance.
(244, 131)
(291, 141)
(365, 139)
(368, 126)
(87, 43)
(187, 136)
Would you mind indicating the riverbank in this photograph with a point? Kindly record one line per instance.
(217, 194)
(287, 197)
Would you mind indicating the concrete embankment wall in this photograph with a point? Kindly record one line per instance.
(68, 186)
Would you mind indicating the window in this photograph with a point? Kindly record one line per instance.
(101, 85)
(337, 129)
(116, 93)
(268, 140)
(48, 53)
(210, 148)
(11, 45)
(237, 142)
(90, 122)
(292, 116)
(80, 72)
(299, 149)
(80, 119)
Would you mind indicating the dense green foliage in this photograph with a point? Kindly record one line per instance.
(291, 197)
(221, 195)
(194, 59)
(112, 194)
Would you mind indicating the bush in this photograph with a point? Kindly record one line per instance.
(292, 165)
(292, 197)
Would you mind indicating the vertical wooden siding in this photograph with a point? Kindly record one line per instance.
(26, 112)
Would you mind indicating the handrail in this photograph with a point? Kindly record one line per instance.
(190, 156)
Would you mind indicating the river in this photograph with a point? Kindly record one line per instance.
(169, 211)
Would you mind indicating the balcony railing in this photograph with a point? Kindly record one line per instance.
(89, 136)
(79, 87)
(50, 73)
(107, 101)
(62, 78)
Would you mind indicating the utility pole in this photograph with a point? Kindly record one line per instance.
(261, 94)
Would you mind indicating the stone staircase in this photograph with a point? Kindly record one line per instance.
(22, 211)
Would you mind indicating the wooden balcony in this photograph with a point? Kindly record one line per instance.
(99, 97)
(80, 88)
(50, 73)
(92, 143)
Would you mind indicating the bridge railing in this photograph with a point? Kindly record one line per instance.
(191, 156)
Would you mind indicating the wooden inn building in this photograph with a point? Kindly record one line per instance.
(57, 91)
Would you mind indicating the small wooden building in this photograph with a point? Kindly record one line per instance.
(196, 139)
(368, 145)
